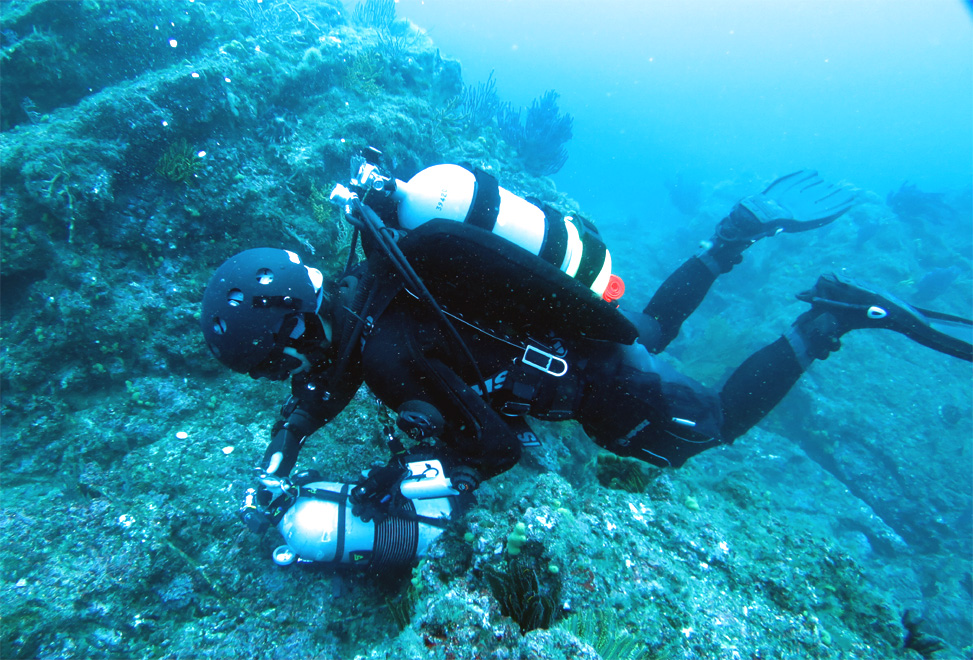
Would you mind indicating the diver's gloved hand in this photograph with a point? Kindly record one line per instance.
(373, 497)
(797, 202)
(263, 505)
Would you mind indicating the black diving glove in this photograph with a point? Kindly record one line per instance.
(374, 497)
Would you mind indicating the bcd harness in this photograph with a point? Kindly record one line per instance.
(488, 285)
(390, 273)
(444, 251)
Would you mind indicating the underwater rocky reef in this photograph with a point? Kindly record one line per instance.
(145, 141)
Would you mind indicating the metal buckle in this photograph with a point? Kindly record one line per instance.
(546, 363)
(515, 408)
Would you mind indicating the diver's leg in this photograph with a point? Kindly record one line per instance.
(664, 418)
(837, 306)
(673, 302)
(649, 411)
(683, 291)
(797, 202)
(634, 404)
(764, 378)
(641, 407)
(759, 384)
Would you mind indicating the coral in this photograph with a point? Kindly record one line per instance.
(278, 125)
(540, 140)
(289, 23)
(401, 608)
(602, 631)
(526, 592)
(395, 44)
(179, 163)
(479, 104)
(621, 473)
(516, 539)
(374, 13)
(363, 74)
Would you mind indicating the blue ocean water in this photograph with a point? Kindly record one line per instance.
(874, 92)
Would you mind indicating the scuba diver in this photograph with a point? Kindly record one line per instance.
(475, 308)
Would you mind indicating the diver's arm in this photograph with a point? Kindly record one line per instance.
(305, 412)
(286, 439)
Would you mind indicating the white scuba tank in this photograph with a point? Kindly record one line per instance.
(452, 192)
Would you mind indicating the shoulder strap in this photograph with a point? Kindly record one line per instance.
(360, 310)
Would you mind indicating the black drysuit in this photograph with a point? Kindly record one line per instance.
(627, 399)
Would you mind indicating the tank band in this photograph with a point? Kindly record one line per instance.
(555, 242)
(593, 256)
(339, 551)
(486, 201)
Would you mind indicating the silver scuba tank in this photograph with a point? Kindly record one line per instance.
(452, 192)
(320, 526)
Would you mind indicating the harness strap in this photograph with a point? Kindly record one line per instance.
(401, 265)
(339, 550)
(370, 300)
(522, 383)
(524, 378)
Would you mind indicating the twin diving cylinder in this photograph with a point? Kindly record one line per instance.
(320, 527)
(472, 196)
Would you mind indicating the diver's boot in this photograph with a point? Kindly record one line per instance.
(749, 221)
(839, 306)
(793, 203)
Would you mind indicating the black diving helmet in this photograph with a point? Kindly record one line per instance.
(260, 313)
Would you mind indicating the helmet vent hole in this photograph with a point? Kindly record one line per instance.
(265, 276)
(234, 298)
(219, 325)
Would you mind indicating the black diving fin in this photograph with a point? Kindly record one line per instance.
(812, 202)
(954, 334)
(857, 305)
(799, 201)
